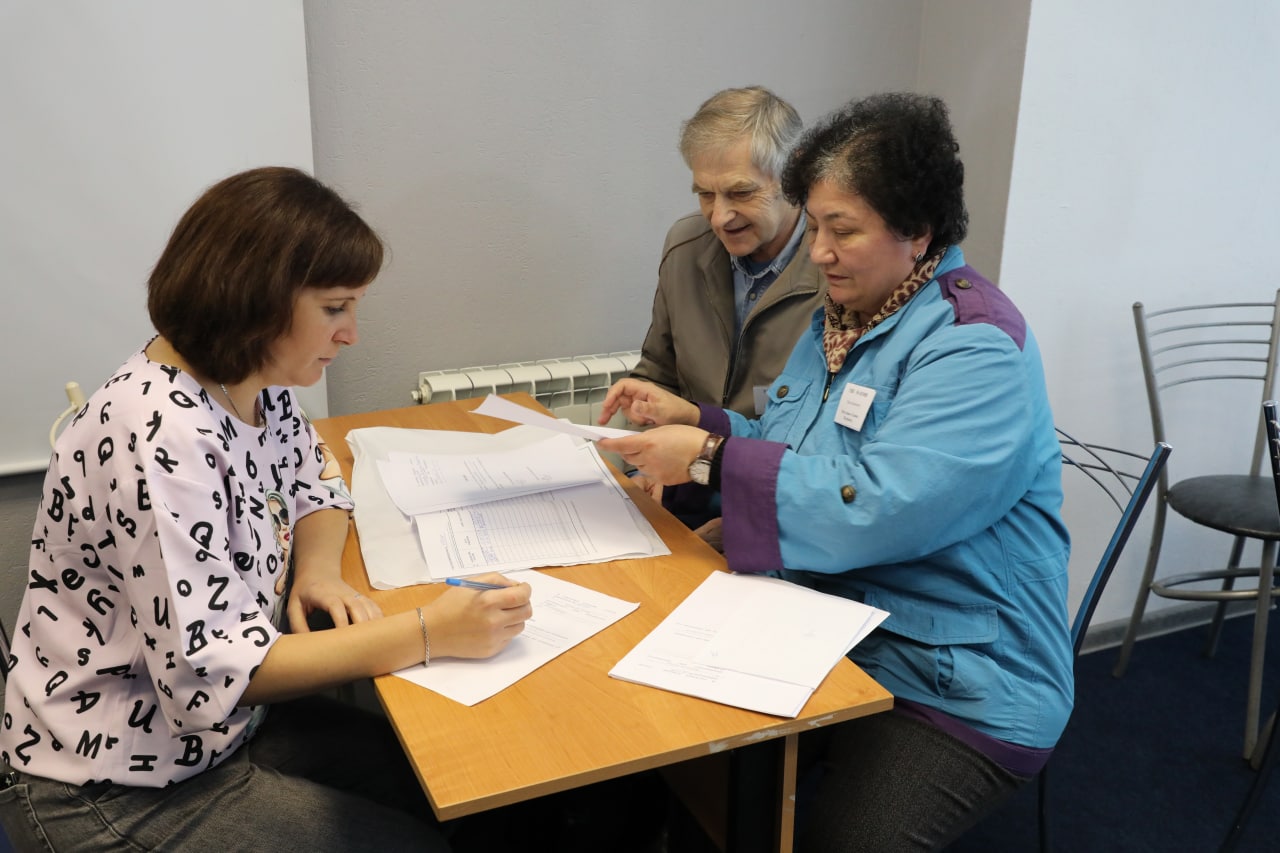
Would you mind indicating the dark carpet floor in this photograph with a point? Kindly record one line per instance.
(1151, 761)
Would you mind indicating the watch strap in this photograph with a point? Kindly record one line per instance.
(700, 467)
(710, 446)
(713, 477)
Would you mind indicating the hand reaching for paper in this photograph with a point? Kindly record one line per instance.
(646, 404)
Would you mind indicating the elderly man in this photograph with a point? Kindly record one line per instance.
(735, 287)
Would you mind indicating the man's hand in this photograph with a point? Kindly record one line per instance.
(645, 404)
(712, 533)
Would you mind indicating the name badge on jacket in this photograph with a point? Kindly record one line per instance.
(855, 402)
(760, 395)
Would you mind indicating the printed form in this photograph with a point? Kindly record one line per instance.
(420, 483)
(561, 526)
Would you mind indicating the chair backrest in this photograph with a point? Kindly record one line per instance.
(1236, 341)
(1272, 427)
(1113, 471)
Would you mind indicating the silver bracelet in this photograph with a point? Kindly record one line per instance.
(426, 641)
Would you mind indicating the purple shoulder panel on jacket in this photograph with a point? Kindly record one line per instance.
(976, 300)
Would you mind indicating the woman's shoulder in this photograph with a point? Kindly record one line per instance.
(144, 403)
(285, 417)
(975, 300)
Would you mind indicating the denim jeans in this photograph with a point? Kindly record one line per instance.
(318, 776)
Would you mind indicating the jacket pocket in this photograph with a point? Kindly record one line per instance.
(787, 396)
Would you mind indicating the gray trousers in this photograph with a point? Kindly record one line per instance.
(319, 775)
(889, 783)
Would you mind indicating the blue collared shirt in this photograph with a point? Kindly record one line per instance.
(751, 279)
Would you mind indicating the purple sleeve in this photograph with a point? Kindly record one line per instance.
(749, 504)
(714, 419)
(748, 495)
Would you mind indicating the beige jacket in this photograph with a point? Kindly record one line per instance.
(690, 348)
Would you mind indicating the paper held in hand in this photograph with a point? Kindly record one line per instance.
(751, 641)
(504, 409)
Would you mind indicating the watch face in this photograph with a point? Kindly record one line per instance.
(700, 471)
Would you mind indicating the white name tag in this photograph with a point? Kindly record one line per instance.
(855, 402)
(761, 393)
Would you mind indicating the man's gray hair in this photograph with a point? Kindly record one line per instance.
(772, 124)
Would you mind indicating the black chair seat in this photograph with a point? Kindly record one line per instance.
(1237, 504)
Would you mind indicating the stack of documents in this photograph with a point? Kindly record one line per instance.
(434, 504)
(422, 483)
(751, 641)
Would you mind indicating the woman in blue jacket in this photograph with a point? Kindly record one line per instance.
(907, 459)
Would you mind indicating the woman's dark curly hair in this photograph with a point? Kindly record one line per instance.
(897, 152)
(223, 290)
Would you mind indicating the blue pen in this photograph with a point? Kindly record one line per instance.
(472, 584)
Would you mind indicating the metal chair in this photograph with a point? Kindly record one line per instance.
(1269, 744)
(1112, 471)
(1198, 348)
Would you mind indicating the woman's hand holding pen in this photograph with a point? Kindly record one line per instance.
(645, 404)
(470, 623)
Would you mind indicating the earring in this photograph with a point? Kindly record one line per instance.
(919, 257)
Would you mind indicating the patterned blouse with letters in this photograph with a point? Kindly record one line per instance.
(159, 565)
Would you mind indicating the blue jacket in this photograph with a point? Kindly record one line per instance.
(943, 508)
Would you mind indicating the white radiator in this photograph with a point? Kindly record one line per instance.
(572, 388)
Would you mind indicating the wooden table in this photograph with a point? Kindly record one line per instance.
(568, 723)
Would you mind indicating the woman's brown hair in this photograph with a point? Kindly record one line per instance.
(224, 287)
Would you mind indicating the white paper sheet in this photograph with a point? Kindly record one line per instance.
(674, 655)
(564, 527)
(807, 631)
(564, 614)
(500, 407)
(388, 538)
(420, 483)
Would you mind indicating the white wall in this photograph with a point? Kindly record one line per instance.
(521, 157)
(1143, 170)
(99, 156)
(971, 56)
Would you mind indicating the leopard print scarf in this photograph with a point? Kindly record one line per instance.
(841, 330)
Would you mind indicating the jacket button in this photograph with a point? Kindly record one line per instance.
(964, 284)
(782, 392)
(848, 493)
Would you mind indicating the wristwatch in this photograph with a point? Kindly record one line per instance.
(700, 467)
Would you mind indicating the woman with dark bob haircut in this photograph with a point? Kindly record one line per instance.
(187, 531)
(906, 459)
